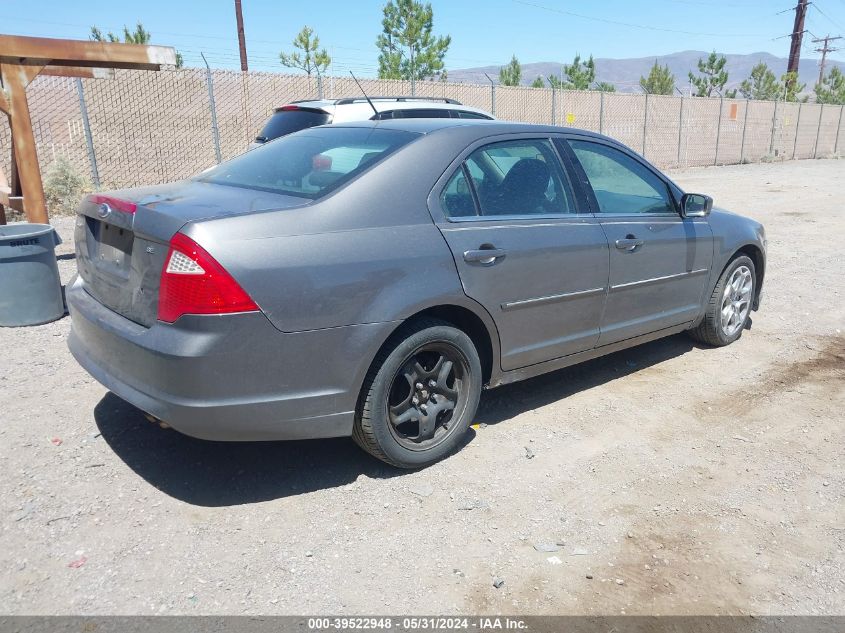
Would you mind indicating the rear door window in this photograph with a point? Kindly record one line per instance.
(285, 122)
(516, 178)
(310, 163)
(457, 198)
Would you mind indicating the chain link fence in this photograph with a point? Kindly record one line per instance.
(143, 128)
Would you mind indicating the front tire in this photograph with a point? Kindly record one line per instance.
(420, 395)
(729, 307)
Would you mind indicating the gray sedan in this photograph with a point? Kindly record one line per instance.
(370, 279)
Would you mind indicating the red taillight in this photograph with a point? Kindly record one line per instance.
(288, 108)
(115, 203)
(192, 282)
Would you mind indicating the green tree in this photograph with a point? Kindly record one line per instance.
(407, 47)
(713, 76)
(762, 84)
(139, 36)
(313, 59)
(660, 80)
(579, 75)
(538, 83)
(511, 75)
(604, 86)
(791, 88)
(832, 88)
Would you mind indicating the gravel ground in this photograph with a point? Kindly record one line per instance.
(666, 479)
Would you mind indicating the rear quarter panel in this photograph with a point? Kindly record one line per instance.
(366, 253)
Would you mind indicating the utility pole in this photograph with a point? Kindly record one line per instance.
(824, 50)
(241, 37)
(797, 36)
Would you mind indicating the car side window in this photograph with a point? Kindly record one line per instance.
(520, 177)
(457, 199)
(465, 114)
(421, 113)
(621, 184)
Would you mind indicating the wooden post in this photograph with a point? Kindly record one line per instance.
(16, 79)
(21, 60)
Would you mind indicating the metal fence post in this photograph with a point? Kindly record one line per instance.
(89, 140)
(797, 127)
(319, 86)
(744, 127)
(680, 128)
(492, 95)
(554, 106)
(601, 112)
(838, 127)
(818, 131)
(719, 129)
(215, 131)
(774, 120)
(645, 121)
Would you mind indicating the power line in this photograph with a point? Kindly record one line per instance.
(630, 24)
(830, 19)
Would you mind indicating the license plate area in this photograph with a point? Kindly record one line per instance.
(110, 249)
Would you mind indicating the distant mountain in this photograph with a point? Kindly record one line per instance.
(625, 73)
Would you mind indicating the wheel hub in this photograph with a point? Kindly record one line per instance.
(424, 396)
(736, 300)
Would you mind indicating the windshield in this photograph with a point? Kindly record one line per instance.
(310, 163)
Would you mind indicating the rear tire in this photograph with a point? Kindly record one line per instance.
(729, 306)
(419, 396)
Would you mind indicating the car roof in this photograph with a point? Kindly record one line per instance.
(383, 104)
(484, 127)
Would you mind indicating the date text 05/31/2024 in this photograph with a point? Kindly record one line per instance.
(421, 623)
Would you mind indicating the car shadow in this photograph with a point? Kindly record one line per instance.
(218, 474)
(503, 403)
(214, 474)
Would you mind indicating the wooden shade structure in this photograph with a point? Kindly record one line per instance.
(24, 58)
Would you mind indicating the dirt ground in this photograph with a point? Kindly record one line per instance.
(669, 478)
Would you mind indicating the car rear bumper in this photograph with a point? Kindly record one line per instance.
(227, 377)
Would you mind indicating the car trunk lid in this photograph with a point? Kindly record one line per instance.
(122, 236)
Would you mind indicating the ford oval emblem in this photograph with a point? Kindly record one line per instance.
(104, 210)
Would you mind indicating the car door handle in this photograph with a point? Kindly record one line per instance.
(484, 255)
(630, 243)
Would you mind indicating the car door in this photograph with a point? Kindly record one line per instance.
(525, 247)
(659, 261)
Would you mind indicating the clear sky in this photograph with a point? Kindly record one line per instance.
(483, 32)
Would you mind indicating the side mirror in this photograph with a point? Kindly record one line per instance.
(696, 205)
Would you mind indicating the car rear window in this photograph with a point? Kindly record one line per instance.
(311, 163)
(285, 122)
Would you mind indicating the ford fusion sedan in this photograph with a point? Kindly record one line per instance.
(371, 279)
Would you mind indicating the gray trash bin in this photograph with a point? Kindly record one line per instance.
(30, 287)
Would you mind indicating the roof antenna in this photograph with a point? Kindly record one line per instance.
(363, 93)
